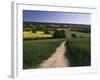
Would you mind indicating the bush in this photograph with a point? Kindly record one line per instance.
(74, 35)
(59, 34)
(34, 31)
(47, 32)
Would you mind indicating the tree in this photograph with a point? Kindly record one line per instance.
(74, 35)
(59, 34)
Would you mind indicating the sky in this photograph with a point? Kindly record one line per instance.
(56, 17)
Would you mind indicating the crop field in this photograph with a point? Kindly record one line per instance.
(36, 51)
(79, 53)
(78, 50)
(53, 39)
(40, 41)
(79, 34)
(39, 34)
(80, 42)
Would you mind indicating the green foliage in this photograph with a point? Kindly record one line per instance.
(59, 34)
(36, 51)
(81, 29)
(74, 35)
(47, 32)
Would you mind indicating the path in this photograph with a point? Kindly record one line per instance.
(58, 58)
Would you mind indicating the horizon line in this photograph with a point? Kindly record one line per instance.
(57, 23)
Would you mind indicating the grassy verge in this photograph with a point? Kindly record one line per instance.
(78, 51)
(36, 51)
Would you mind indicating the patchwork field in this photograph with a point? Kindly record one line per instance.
(40, 41)
(53, 39)
(78, 50)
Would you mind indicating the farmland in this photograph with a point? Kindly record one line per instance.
(79, 34)
(78, 51)
(36, 51)
(53, 39)
(40, 41)
(36, 35)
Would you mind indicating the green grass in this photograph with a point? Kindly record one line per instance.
(79, 34)
(78, 52)
(36, 51)
(78, 49)
(83, 43)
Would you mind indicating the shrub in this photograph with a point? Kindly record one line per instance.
(74, 35)
(47, 32)
(59, 34)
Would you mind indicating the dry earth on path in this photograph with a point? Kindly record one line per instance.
(58, 58)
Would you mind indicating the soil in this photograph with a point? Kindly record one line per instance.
(58, 58)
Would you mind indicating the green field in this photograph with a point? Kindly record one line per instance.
(83, 43)
(79, 34)
(78, 52)
(80, 42)
(36, 51)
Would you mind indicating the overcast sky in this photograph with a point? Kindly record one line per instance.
(56, 17)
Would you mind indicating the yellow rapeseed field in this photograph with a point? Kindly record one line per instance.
(38, 34)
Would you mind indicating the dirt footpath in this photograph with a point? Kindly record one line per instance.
(58, 58)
